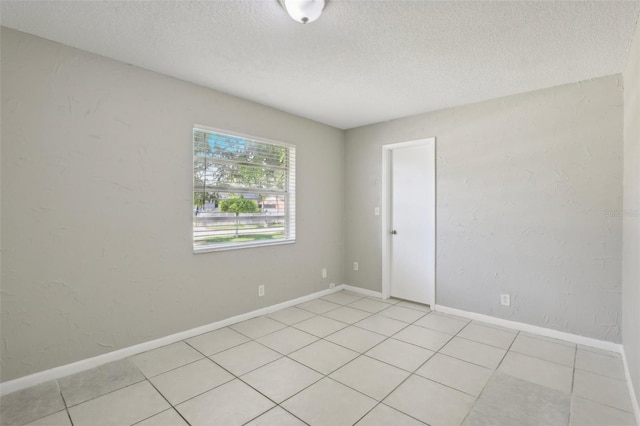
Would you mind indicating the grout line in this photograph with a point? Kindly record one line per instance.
(367, 413)
(271, 409)
(542, 359)
(172, 369)
(293, 414)
(573, 373)
(601, 375)
(107, 393)
(234, 377)
(360, 354)
(327, 376)
(293, 323)
(507, 351)
(64, 401)
(402, 412)
(603, 404)
(172, 407)
(490, 377)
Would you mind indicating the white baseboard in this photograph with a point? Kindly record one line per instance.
(366, 292)
(548, 332)
(86, 364)
(632, 392)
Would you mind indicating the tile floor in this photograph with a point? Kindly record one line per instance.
(343, 359)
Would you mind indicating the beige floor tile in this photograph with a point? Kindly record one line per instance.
(98, 381)
(384, 415)
(276, 417)
(347, 315)
(400, 354)
(231, 404)
(369, 376)
(599, 363)
(429, 339)
(488, 335)
(474, 352)
(507, 400)
(257, 327)
(166, 418)
(403, 314)
(166, 358)
(544, 349)
(61, 418)
(537, 371)
(281, 379)
(530, 387)
(246, 357)
(30, 404)
(443, 323)
(122, 407)
(318, 306)
(320, 326)
(369, 305)
(461, 375)
(604, 390)
(343, 297)
(355, 338)
(287, 340)
(589, 413)
(381, 324)
(430, 402)
(329, 403)
(190, 380)
(324, 356)
(217, 340)
(291, 315)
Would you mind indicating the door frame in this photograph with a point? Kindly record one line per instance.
(386, 214)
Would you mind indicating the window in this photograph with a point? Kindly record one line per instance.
(243, 191)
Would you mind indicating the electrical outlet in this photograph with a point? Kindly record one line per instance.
(332, 285)
(355, 266)
(260, 290)
(505, 300)
(376, 211)
(324, 272)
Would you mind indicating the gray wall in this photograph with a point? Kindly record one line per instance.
(97, 207)
(631, 215)
(524, 187)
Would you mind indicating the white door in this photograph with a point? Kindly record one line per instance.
(412, 215)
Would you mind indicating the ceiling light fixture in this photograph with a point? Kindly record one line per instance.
(303, 11)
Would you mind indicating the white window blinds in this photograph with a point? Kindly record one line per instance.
(243, 191)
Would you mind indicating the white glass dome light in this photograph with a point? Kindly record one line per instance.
(303, 11)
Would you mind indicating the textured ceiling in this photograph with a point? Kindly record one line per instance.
(362, 61)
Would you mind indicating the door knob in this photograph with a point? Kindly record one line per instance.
(394, 232)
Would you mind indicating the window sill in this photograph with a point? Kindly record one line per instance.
(229, 247)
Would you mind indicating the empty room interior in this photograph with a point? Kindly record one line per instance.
(308, 212)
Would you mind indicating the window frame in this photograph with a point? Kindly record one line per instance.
(290, 194)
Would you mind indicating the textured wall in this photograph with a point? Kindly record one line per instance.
(631, 215)
(96, 207)
(525, 185)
